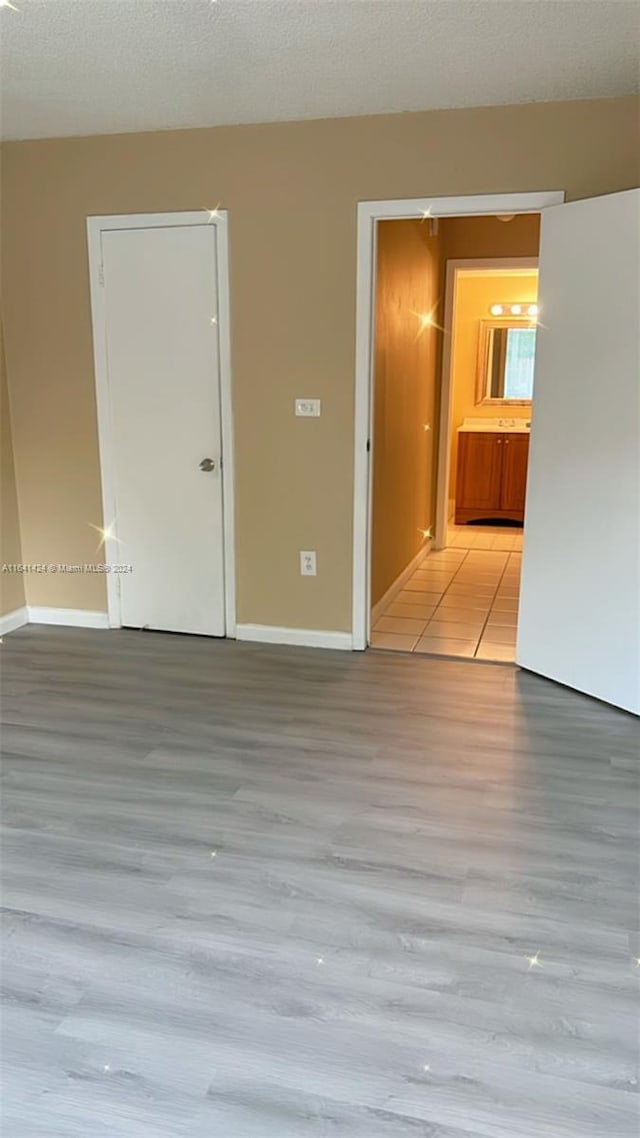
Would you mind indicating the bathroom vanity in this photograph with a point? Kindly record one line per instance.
(491, 481)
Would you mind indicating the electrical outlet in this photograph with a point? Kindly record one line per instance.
(307, 563)
(308, 408)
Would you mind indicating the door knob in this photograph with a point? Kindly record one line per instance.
(208, 464)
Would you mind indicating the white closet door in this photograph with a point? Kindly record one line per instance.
(164, 395)
(580, 600)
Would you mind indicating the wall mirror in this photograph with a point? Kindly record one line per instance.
(505, 361)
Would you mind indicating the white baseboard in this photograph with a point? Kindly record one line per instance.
(73, 618)
(262, 633)
(303, 637)
(399, 583)
(12, 620)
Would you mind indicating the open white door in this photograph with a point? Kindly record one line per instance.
(580, 600)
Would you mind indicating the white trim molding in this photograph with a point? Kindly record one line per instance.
(302, 637)
(12, 620)
(400, 581)
(72, 618)
(369, 214)
(96, 226)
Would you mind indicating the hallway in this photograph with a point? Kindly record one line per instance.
(461, 601)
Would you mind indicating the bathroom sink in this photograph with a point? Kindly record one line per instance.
(522, 426)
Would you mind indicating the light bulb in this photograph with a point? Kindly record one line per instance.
(532, 310)
(516, 309)
(496, 310)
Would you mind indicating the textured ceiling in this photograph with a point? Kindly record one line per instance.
(74, 67)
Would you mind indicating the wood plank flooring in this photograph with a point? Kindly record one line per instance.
(257, 892)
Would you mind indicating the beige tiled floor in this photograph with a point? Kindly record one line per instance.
(461, 601)
(505, 539)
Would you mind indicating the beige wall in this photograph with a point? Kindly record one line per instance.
(11, 585)
(474, 297)
(291, 190)
(409, 274)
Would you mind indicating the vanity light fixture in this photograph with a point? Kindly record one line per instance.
(517, 309)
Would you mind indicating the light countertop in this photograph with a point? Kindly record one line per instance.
(501, 425)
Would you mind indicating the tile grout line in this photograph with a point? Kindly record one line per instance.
(440, 614)
(468, 551)
(475, 654)
(427, 622)
(443, 595)
(492, 599)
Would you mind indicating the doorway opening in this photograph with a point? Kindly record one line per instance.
(450, 365)
(461, 596)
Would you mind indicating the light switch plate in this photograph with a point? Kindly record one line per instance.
(308, 408)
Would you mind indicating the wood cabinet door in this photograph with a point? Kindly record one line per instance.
(479, 471)
(515, 458)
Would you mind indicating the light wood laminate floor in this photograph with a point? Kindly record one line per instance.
(258, 892)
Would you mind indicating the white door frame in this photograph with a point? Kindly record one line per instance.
(505, 265)
(369, 214)
(96, 226)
